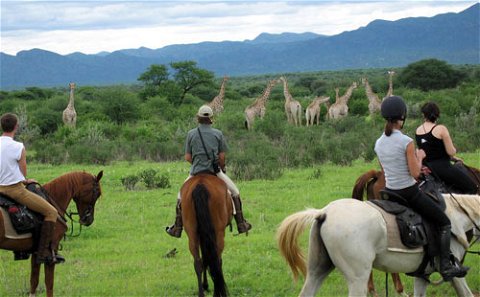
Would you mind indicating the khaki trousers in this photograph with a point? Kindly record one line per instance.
(32, 201)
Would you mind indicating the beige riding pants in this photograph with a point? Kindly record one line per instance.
(232, 188)
(32, 201)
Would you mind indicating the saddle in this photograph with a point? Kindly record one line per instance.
(23, 219)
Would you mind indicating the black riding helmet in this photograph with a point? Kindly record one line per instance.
(394, 108)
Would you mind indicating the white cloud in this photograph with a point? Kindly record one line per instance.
(93, 26)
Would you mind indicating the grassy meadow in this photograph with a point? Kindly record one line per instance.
(123, 252)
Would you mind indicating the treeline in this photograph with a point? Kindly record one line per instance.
(150, 120)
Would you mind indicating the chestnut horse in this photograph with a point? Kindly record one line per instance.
(372, 182)
(84, 188)
(206, 212)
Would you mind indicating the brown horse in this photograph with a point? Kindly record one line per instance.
(372, 182)
(206, 212)
(84, 188)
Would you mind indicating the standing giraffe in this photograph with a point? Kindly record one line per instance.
(313, 110)
(258, 108)
(390, 84)
(217, 103)
(373, 101)
(69, 114)
(293, 108)
(339, 109)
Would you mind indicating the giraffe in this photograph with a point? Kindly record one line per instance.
(390, 84)
(293, 108)
(339, 109)
(217, 103)
(258, 108)
(69, 114)
(313, 110)
(374, 102)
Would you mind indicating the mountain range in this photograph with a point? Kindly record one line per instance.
(452, 37)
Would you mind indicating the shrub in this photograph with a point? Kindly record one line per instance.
(130, 181)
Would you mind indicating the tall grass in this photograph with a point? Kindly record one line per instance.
(122, 253)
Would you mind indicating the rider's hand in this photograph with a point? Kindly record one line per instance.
(29, 181)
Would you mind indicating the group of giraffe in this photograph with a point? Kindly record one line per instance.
(293, 108)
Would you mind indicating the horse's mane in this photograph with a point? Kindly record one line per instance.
(65, 183)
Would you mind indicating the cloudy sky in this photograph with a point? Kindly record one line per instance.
(93, 26)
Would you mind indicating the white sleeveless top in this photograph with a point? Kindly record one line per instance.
(391, 152)
(10, 154)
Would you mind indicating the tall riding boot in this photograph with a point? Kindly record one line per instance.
(447, 269)
(176, 229)
(45, 253)
(242, 224)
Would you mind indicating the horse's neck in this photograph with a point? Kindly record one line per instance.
(463, 210)
(61, 190)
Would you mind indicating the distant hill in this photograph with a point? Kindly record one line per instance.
(452, 37)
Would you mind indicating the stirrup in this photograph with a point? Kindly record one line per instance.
(174, 231)
(454, 271)
(244, 227)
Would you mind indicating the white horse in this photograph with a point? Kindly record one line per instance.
(351, 235)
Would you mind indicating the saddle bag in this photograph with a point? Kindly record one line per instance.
(22, 219)
(412, 231)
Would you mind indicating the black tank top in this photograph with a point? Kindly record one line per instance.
(433, 147)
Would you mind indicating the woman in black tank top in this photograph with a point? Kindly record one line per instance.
(435, 140)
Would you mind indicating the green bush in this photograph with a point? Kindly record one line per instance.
(130, 181)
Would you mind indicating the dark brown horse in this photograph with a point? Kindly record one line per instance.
(372, 182)
(84, 188)
(206, 211)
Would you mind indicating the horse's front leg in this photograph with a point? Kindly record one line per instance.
(34, 275)
(420, 287)
(198, 265)
(205, 280)
(49, 278)
(371, 286)
(461, 287)
(398, 284)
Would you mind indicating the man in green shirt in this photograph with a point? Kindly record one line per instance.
(205, 147)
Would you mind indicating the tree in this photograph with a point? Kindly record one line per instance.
(153, 78)
(120, 105)
(430, 74)
(189, 76)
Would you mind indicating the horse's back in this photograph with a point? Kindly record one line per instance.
(214, 190)
(349, 221)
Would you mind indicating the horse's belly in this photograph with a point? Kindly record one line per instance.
(397, 262)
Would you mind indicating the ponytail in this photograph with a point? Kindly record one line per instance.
(389, 127)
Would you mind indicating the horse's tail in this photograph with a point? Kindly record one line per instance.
(361, 183)
(207, 238)
(287, 238)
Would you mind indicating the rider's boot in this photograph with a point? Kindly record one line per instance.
(447, 269)
(45, 253)
(176, 229)
(242, 224)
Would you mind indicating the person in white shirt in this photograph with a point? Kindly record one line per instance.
(13, 172)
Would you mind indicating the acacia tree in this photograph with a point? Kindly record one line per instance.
(153, 79)
(430, 74)
(188, 76)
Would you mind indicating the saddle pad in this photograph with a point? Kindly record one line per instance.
(394, 243)
(9, 230)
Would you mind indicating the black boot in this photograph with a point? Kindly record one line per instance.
(176, 229)
(447, 269)
(45, 253)
(242, 224)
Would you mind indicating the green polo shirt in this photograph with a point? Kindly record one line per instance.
(214, 143)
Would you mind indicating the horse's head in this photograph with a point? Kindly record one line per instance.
(86, 197)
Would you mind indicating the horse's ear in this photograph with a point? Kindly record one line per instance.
(99, 175)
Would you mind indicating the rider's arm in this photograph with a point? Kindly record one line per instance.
(188, 158)
(22, 163)
(447, 141)
(414, 159)
(221, 160)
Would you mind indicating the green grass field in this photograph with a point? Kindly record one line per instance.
(122, 253)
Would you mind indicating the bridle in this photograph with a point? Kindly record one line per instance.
(88, 211)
